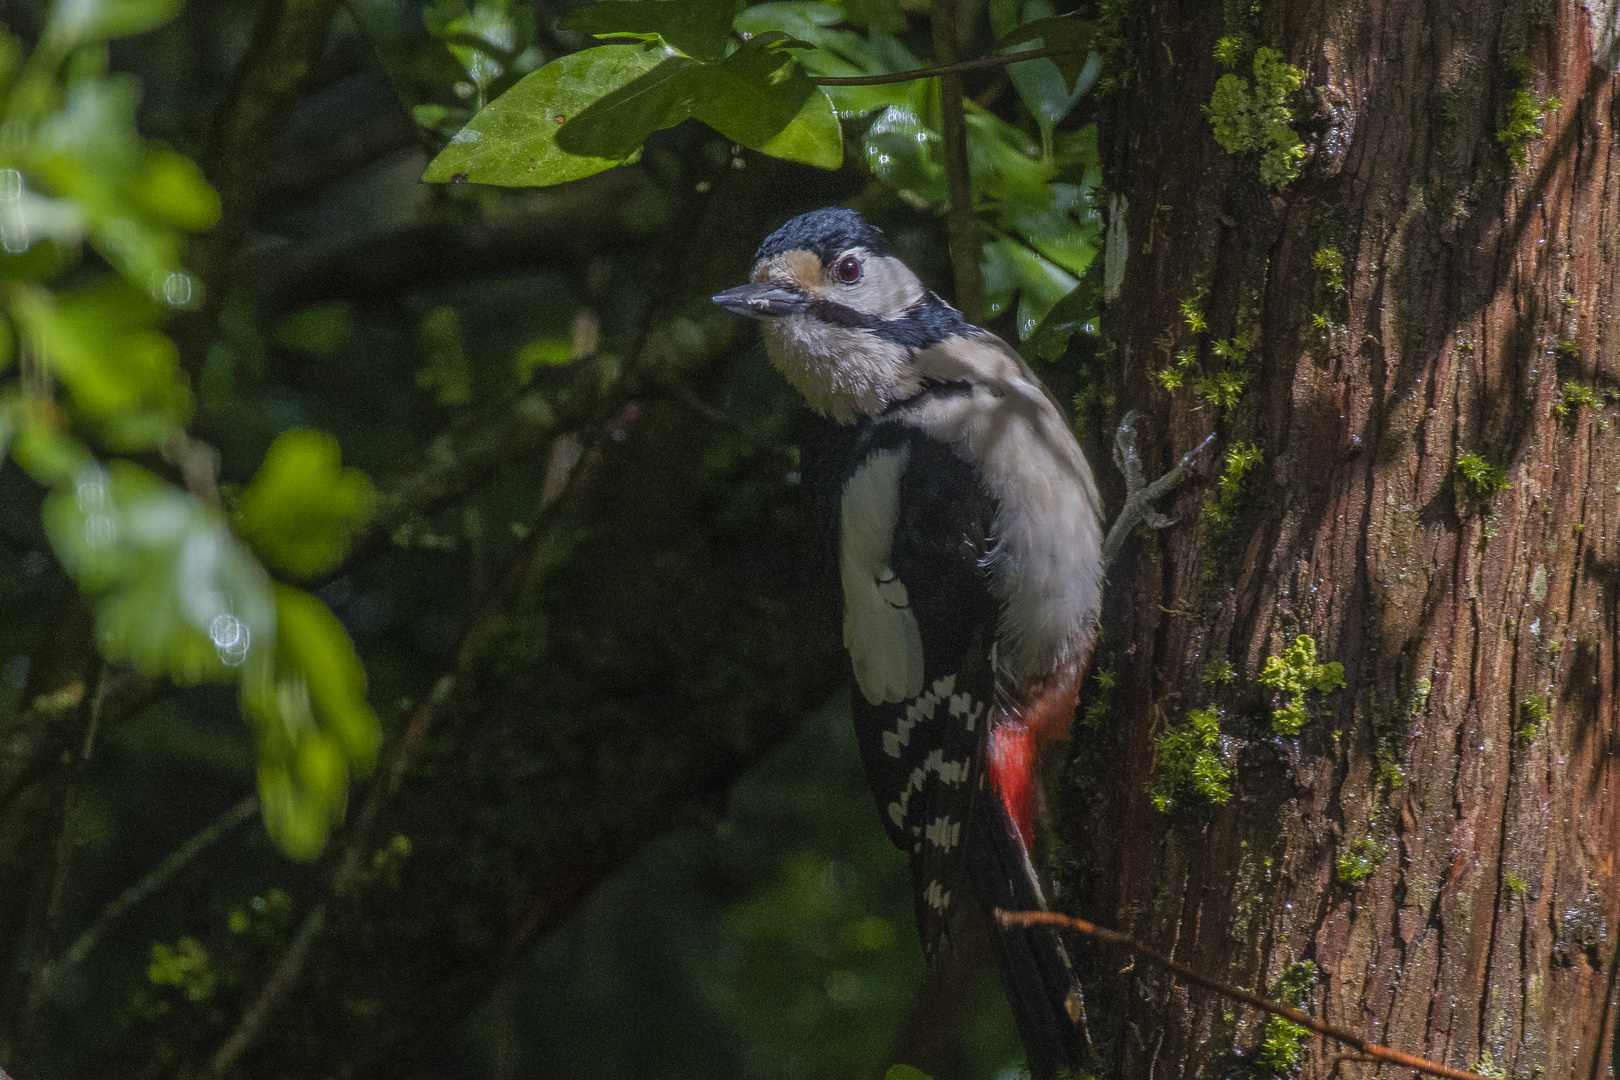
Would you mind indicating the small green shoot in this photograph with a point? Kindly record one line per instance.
(1190, 761)
(1478, 482)
(1522, 125)
(1331, 263)
(1285, 1043)
(1534, 712)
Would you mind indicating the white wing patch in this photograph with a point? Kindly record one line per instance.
(880, 630)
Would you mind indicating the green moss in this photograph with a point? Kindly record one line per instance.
(1487, 1066)
(1514, 884)
(1190, 760)
(1228, 51)
(1478, 481)
(1221, 389)
(1258, 117)
(1357, 862)
(1331, 263)
(1241, 460)
(1285, 1043)
(1192, 310)
(1219, 673)
(1296, 673)
(1534, 712)
(1392, 735)
(1096, 709)
(1173, 376)
(1521, 123)
(1573, 395)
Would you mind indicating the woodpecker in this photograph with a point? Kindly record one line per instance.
(969, 542)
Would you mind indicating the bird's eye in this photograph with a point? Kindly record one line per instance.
(849, 269)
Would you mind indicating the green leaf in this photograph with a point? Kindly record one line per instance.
(173, 591)
(313, 724)
(302, 506)
(513, 140)
(905, 1072)
(122, 374)
(1076, 313)
(173, 190)
(813, 137)
(1070, 41)
(85, 21)
(698, 28)
(615, 125)
(882, 14)
(763, 99)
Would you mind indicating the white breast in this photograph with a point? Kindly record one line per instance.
(1046, 568)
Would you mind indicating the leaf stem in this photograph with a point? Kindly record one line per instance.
(960, 223)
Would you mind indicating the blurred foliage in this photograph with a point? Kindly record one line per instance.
(478, 452)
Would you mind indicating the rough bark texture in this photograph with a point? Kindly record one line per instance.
(1476, 290)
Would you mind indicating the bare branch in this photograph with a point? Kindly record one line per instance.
(1360, 1045)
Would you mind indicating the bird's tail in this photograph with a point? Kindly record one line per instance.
(1040, 983)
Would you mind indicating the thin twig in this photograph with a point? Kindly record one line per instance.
(154, 880)
(934, 72)
(960, 223)
(280, 982)
(1349, 1038)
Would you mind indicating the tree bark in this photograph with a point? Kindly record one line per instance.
(1475, 304)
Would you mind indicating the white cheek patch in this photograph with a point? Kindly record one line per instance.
(880, 630)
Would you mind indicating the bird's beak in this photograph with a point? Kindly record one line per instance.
(761, 300)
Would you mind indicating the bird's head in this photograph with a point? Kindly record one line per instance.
(842, 314)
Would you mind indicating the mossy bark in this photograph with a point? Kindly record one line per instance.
(1487, 934)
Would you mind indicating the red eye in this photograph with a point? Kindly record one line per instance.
(849, 270)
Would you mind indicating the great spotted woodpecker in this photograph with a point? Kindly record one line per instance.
(970, 550)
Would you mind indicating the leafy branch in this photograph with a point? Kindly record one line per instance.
(1364, 1048)
(958, 67)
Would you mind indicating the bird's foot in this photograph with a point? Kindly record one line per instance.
(1139, 494)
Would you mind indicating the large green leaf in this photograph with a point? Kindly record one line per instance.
(513, 140)
(615, 125)
(698, 28)
(121, 373)
(302, 506)
(761, 98)
(313, 724)
(173, 591)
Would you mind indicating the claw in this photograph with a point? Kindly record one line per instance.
(1139, 494)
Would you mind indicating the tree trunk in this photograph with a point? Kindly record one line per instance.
(1440, 837)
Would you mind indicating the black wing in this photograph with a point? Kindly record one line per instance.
(924, 756)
